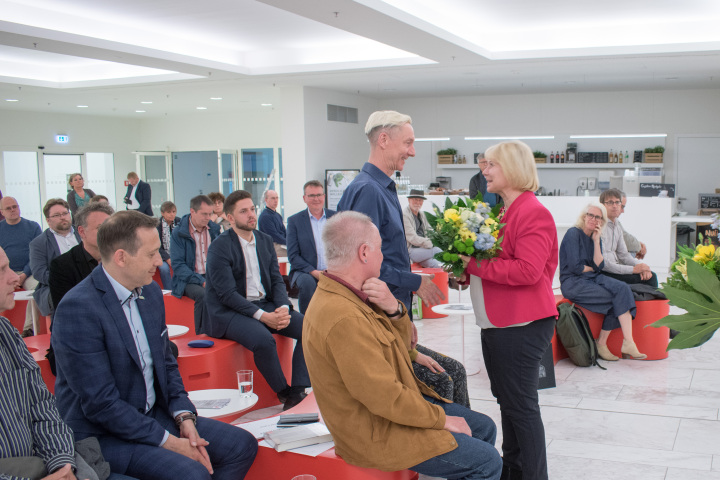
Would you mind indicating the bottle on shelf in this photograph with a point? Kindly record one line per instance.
(611, 156)
(562, 157)
(627, 157)
(552, 157)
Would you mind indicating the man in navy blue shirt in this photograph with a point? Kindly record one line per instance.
(373, 193)
(271, 223)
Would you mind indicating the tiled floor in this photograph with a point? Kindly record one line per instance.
(655, 420)
(636, 420)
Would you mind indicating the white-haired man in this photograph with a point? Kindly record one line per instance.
(380, 415)
(373, 193)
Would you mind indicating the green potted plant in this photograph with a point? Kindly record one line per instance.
(654, 154)
(446, 156)
(540, 157)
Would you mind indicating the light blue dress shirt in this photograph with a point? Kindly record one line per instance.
(317, 228)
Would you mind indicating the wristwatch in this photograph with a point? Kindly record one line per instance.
(398, 312)
(185, 416)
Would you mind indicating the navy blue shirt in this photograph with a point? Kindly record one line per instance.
(271, 223)
(373, 193)
(15, 240)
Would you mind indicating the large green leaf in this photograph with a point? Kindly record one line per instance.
(702, 319)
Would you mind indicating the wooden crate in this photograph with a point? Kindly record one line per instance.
(653, 158)
(540, 159)
(445, 159)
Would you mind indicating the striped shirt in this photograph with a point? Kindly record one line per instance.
(30, 424)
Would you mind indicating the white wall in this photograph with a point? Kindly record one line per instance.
(671, 112)
(25, 131)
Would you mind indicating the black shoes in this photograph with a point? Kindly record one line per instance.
(28, 333)
(291, 396)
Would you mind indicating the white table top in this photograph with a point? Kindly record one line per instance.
(282, 259)
(454, 308)
(237, 403)
(692, 219)
(175, 331)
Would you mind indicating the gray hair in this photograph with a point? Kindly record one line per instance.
(580, 222)
(384, 120)
(82, 215)
(343, 234)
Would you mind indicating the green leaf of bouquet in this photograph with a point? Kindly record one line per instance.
(704, 281)
(461, 203)
(432, 219)
(448, 203)
(692, 301)
(478, 197)
(496, 209)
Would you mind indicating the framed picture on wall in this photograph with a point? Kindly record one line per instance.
(336, 181)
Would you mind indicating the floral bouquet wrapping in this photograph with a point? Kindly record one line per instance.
(693, 285)
(467, 227)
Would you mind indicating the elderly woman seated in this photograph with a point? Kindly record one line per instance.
(420, 247)
(581, 264)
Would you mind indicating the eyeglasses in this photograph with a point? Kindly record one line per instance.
(483, 164)
(316, 195)
(59, 215)
(613, 203)
(623, 206)
(590, 216)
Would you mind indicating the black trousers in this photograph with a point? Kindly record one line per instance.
(512, 357)
(633, 278)
(197, 294)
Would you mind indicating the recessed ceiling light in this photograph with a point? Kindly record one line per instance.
(201, 108)
(266, 104)
(12, 100)
(215, 98)
(139, 111)
(146, 103)
(536, 137)
(82, 106)
(433, 139)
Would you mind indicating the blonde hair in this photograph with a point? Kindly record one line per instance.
(72, 177)
(517, 163)
(384, 120)
(580, 222)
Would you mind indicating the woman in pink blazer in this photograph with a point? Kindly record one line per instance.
(515, 307)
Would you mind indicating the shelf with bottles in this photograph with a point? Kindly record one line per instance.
(597, 166)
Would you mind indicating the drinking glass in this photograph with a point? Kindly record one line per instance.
(304, 477)
(245, 382)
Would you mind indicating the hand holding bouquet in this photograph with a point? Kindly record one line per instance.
(467, 227)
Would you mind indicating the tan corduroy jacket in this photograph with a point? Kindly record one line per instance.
(364, 383)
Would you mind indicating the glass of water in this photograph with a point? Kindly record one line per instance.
(304, 477)
(245, 382)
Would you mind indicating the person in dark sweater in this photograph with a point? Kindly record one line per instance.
(271, 223)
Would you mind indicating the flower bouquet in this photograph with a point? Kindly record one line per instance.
(467, 227)
(693, 285)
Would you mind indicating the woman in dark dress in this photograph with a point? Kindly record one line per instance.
(581, 261)
(78, 196)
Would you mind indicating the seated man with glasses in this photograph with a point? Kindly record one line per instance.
(304, 243)
(478, 184)
(59, 238)
(619, 264)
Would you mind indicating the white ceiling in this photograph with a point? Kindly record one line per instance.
(112, 55)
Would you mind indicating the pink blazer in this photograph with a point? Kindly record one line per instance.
(517, 285)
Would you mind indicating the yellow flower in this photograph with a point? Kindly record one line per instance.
(495, 234)
(682, 268)
(490, 222)
(451, 215)
(465, 234)
(704, 253)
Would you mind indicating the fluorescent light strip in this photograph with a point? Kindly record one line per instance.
(548, 137)
(629, 135)
(433, 139)
(12, 100)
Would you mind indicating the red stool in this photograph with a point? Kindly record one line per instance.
(180, 311)
(16, 315)
(558, 350)
(216, 367)
(441, 281)
(270, 464)
(651, 341)
(37, 346)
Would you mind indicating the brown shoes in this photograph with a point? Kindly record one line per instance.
(629, 350)
(605, 353)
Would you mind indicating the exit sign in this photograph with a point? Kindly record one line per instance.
(62, 138)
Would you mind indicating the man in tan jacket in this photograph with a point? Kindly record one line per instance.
(356, 338)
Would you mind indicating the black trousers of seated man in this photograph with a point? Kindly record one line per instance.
(197, 294)
(633, 278)
(258, 338)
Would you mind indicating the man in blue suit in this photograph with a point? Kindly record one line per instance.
(59, 238)
(138, 195)
(304, 243)
(117, 379)
(246, 300)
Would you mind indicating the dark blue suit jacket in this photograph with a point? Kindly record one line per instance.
(301, 248)
(143, 196)
(225, 282)
(43, 249)
(100, 388)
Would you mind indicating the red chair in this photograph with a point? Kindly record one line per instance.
(270, 464)
(16, 315)
(180, 311)
(37, 346)
(216, 367)
(441, 280)
(651, 341)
